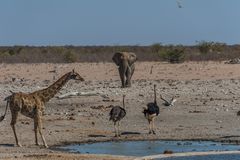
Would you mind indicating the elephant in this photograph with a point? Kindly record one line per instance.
(125, 62)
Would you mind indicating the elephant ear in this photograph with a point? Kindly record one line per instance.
(117, 58)
(132, 58)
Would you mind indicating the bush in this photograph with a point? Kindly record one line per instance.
(206, 47)
(11, 52)
(4, 54)
(175, 55)
(70, 57)
(155, 48)
(218, 47)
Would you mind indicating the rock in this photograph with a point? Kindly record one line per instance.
(71, 118)
(141, 95)
(168, 152)
(98, 107)
(219, 121)
(187, 143)
(238, 113)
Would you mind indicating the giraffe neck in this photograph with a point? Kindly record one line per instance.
(48, 93)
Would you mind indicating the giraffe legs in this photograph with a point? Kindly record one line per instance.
(38, 126)
(36, 130)
(40, 132)
(13, 123)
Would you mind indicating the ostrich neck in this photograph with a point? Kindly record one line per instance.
(155, 96)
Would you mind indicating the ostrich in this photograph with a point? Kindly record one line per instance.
(151, 111)
(116, 114)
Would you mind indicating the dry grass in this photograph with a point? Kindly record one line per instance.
(156, 52)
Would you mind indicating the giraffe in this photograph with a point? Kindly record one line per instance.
(32, 104)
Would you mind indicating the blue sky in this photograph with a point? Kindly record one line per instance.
(118, 22)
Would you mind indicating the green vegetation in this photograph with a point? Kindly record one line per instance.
(175, 55)
(206, 47)
(70, 57)
(156, 48)
(171, 54)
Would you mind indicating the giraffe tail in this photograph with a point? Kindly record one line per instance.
(6, 99)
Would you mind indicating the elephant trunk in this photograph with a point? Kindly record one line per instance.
(123, 68)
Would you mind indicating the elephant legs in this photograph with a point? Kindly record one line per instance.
(122, 76)
(129, 74)
(126, 75)
(132, 70)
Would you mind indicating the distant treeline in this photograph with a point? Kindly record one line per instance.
(157, 52)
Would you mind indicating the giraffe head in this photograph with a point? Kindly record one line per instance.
(75, 76)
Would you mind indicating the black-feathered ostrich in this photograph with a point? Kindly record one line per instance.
(151, 111)
(116, 114)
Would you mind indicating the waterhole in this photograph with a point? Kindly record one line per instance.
(146, 148)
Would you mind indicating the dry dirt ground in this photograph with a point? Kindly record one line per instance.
(208, 98)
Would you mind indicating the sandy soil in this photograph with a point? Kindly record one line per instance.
(208, 98)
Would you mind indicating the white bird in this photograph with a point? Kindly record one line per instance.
(168, 103)
(179, 4)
